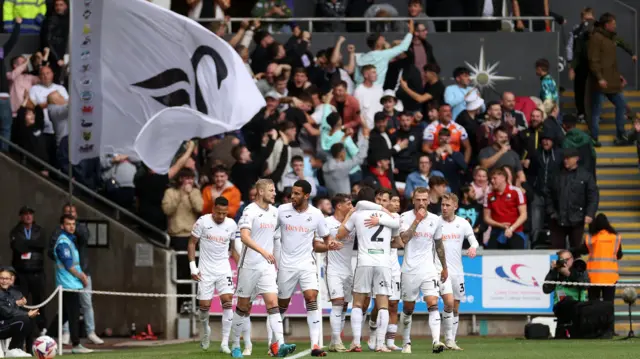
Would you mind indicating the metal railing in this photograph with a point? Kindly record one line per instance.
(369, 20)
(86, 190)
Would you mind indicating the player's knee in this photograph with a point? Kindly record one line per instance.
(338, 303)
(312, 305)
(455, 313)
(227, 305)
(448, 309)
(204, 308)
(282, 310)
(275, 310)
(241, 312)
(393, 306)
(407, 311)
(433, 308)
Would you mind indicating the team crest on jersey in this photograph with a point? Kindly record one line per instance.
(309, 219)
(492, 199)
(508, 195)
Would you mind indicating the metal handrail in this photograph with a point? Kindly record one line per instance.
(91, 193)
(368, 20)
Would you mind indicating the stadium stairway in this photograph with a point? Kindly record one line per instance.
(618, 180)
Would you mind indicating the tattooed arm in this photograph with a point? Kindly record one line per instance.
(408, 234)
(440, 251)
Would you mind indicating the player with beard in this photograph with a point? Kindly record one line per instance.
(303, 232)
(454, 230)
(257, 273)
(339, 272)
(418, 232)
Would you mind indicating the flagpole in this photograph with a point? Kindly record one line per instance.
(69, 103)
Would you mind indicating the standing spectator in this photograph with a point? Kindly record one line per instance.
(379, 56)
(458, 137)
(118, 172)
(369, 94)
(389, 103)
(433, 87)
(578, 139)
(297, 173)
(332, 133)
(571, 200)
(20, 81)
(437, 188)
(383, 142)
(273, 9)
(421, 51)
(449, 161)
(260, 54)
(577, 58)
(55, 35)
(470, 118)
(420, 178)
(531, 137)
(357, 8)
(552, 123)
(221, 186)
(510, 115)
(28, 13)
(448, 8)
(69, 275)
(337, 169)
(500, 154)
(28, 135)
(531, 8)
(471, 210)
(544, 165)
(548, 86)
(5, 100)
(330, 8)
(405, 160)
(485, 9)
(379, 172)
(505, 210)
(347, 106)
(28, 243)
(15, 321)
(603, 63)
(492, 120)
(415, 10)
(248, 167)
(454, 94)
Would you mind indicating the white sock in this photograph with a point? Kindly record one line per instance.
(456, 320)
(335, 319)
(275, 321)
(237, 325)
(246, 333)
(203, 317)
(391, 335)
(407, 319)
(356, 324)
(447, 325)
(227, 318)
(269, 333)
(314, 320)
(434, 325)
(383, 323)
(344, 318)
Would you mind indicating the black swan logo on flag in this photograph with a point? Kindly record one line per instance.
(175, 75)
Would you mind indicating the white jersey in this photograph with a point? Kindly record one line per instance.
(215, 240)
(394, 264)
(374, 244)
(262, 224)
(419, 252)
(298, 231)
(339, 262)
(453, 234)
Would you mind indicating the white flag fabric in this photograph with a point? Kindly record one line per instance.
(132, 59)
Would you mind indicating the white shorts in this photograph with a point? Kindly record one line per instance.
(445, 287)
(413, 284)
(288, 279)
(223, 283)
(373, 280)
(396, 286)
(340, 286)
(252, 282)
(457, 284)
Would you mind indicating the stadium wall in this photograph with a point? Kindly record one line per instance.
(112, 265)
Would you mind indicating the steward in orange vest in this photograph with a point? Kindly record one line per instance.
(602, 265)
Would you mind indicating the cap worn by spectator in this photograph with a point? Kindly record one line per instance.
(25, 210)
(9, 269)
(388, 94)
(273, 94)
(547, 134)
(571, 152)
(473, 101)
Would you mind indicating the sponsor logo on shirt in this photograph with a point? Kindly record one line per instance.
(451, 236)
(267, 226)
(219, 239)
(300, 229)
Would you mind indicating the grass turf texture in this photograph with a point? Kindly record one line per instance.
(474, 347)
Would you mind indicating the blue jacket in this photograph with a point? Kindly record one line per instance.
(67, 257)
(415, 180)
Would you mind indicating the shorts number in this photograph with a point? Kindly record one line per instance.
(375, 237)
(230, 281)
(398, 286)
(435, 283)
(462, 287)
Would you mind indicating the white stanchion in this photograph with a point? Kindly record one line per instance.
(60, 320)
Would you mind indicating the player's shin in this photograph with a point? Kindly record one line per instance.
(434, 323)
(335, 319)
(356, 324)
(246, 332)
(407, 319)
(237, 325)
(314, 320)
(227, 318)
(391, 335)
(447, 324)
(456, 320)
(275, 321)
(383, 323)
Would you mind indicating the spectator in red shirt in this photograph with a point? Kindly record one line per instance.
(347, 106)
(505, 210)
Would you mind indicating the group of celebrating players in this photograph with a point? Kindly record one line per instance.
(274, 249)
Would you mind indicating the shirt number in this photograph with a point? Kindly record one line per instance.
(375, 237)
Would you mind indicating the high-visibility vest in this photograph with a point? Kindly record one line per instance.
(602, 265)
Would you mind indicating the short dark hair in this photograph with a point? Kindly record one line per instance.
(461, 70)
(366, 193)
(336, 149)
(415, 2)
(218, 169)
(339, 198)
(543, 64)
(493, 103)
(67, 204)
(437, 181)
(368, 67)
(67, 217)
(236, 150)
(498, 171)
(606, 18)
(306, 186)
(372, 39)
(221, 201)
(286, 125)
(342, 83)
(431, 67)
(299, 70)
(500, 128)
(297, 158)
(282, 77)
(382, 190)
(185, 172)
(444, 132)
(332, 119)
(444, 104)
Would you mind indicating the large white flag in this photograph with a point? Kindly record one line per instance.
(132, 59)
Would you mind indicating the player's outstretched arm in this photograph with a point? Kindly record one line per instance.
(245, 236)
(191, 254)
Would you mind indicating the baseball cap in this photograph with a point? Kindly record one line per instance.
(25, 210)
(571, 152)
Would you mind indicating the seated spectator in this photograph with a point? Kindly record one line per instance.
(505, 210)
(471, 210)
(492, 120)
(221, 186)
(572, 201)
(118, 173)
(297, 173)
(500, 154)
(379, 172)
(454, 94)
(273, 9)
(470, 119)
(29, 136)
(329, 8)
(390, 107)
(420, 178)
(448, 161)
(15, 321)
(405, 160)
(480, 183)
(458, 137)
(336, 170)
(437, 189)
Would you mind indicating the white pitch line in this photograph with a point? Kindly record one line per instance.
(301, 354)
